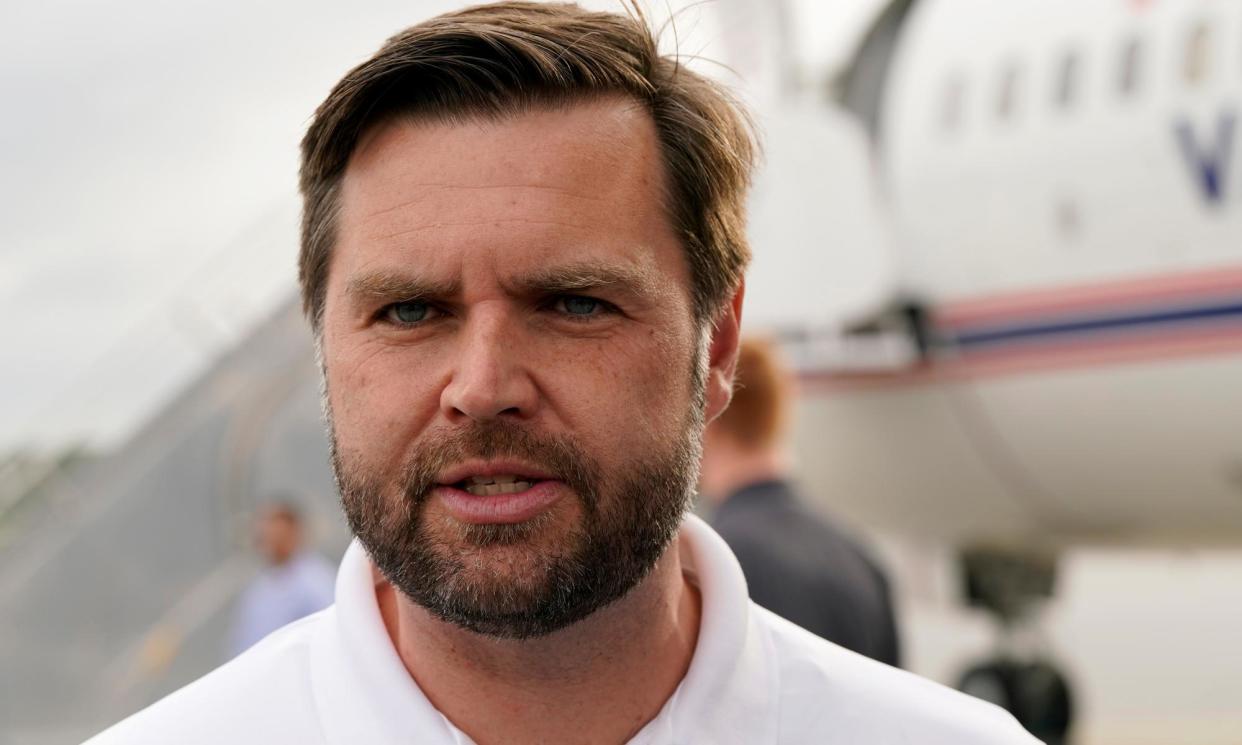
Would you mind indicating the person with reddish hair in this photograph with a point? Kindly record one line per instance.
(798, 564)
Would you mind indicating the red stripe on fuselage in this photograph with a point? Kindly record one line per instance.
(1136, 347)
(1038, 304)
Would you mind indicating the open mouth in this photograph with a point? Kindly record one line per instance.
(490, 486)
(482, 492)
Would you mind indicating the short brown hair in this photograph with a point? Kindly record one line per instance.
(501, 59)
(756, 416)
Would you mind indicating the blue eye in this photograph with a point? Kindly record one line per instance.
(411, 311)
(580, 306)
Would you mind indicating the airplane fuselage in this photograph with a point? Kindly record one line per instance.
(1065, 201)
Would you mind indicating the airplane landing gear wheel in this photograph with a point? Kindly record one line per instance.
(1036, 693)
(1010, 586)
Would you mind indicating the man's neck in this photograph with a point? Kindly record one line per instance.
(740, 468)
(599, 680)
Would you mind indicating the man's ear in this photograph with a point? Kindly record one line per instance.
(722, 354)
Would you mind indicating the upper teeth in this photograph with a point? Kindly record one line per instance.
(501, 485)
(506, 478)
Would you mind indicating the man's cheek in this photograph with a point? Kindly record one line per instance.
(359, 420)
(385, 412)
(661, 393)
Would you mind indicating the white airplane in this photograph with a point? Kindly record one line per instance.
(1053, 357)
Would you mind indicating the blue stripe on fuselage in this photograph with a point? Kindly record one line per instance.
(1084, 326)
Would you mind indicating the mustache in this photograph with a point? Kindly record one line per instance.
(556, 455)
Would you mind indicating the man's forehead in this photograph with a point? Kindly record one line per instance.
(581, 180)
(605, 129)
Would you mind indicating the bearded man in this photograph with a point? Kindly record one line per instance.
(522, 257)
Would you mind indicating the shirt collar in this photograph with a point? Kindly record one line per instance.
(729, 693)
(364, 693)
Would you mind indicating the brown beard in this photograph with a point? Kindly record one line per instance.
(626, 523)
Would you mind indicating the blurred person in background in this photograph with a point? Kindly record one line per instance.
(294, 582)
(798, 564)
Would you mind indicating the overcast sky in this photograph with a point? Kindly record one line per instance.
(148, 188)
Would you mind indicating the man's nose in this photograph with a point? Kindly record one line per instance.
(490, 376)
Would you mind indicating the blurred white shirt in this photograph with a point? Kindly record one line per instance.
(280, 595)
(335, 678)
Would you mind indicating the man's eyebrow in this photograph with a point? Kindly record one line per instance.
(582, 277)
(388, 286)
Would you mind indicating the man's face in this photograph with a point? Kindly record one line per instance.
(278, 536)
(507, 302)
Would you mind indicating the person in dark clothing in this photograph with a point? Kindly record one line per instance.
(798, 564)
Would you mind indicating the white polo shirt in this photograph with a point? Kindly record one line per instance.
(335, 678)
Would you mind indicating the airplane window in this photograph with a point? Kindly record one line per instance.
(1196, 62)
(951, 106)
(1007, 93)
(1067, 80)
(1131, 71)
